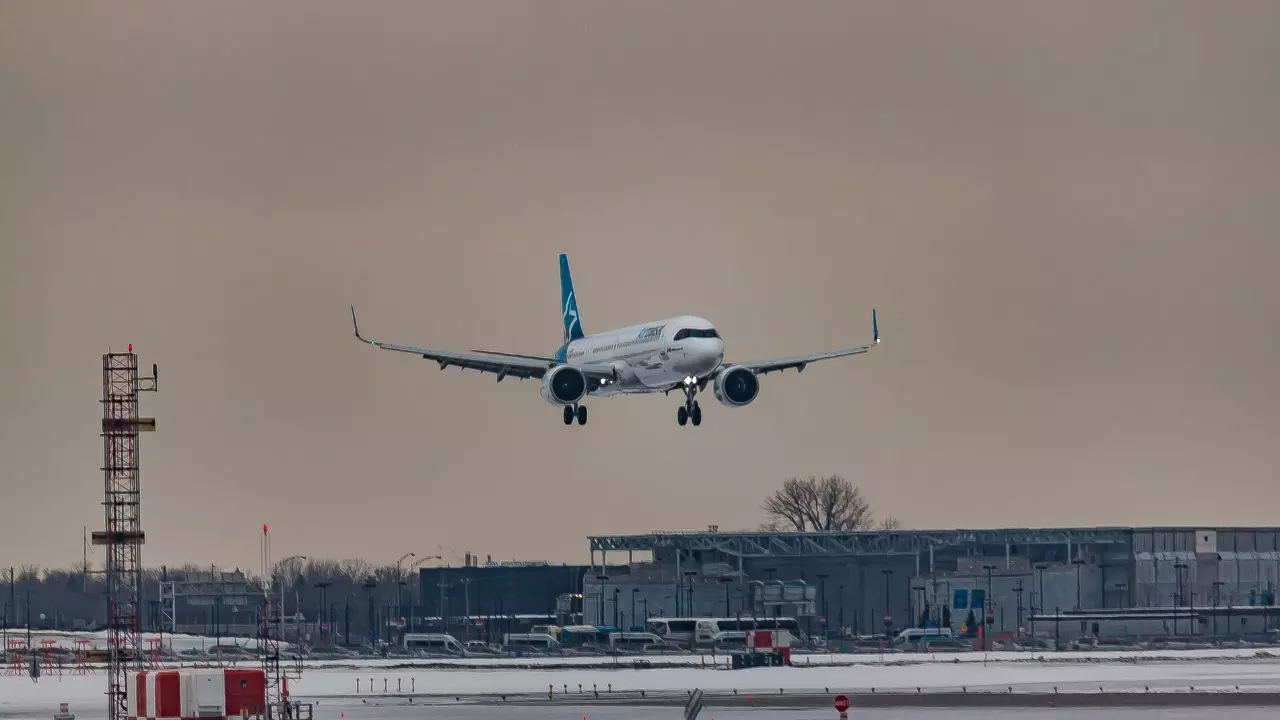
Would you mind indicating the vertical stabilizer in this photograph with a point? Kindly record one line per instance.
(569, 303)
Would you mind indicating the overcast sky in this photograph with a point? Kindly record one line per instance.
(1065, 212)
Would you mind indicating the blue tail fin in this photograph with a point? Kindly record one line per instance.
(569, 303)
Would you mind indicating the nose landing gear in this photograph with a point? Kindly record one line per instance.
(690, 410)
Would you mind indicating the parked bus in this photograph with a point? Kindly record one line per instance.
(678, 631)
(586, 635)
(748, 623)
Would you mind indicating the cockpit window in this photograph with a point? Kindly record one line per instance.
(695, 333)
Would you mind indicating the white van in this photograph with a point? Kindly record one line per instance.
(432, 644)
(541, 641)
(923, 636)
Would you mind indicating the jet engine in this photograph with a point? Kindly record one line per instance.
(563, 385)
(736, 386)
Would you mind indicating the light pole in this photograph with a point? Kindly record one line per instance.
(822, 602)
(1178, 567)
(1038, 606)
(888, 615)
(279, 580)
(1077, 562)
(1017, 622)
(443, 611)
(416, 589)
(1217, 592)
(990, 620)
(690, 575)
(400, 583)
(604, 583)
(325, 619)
(466, 607)
(370, 584)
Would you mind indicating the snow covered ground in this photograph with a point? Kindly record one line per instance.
(319, 683)
(336, 680)
(570, 662)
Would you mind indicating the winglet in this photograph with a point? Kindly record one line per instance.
(356, 327)
(875, 327)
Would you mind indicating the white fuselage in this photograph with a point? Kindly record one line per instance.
(651, 357)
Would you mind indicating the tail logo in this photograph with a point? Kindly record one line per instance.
(569, 310)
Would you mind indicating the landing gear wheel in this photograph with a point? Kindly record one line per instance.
(691, 410)
(582, 414)
(568, 415)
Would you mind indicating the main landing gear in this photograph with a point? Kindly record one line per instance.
(572, 411)
(690, 410)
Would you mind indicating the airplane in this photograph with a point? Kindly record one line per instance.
(679, 353)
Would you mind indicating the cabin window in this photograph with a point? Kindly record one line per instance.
(695, 333)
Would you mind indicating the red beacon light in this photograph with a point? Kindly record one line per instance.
(130, 347)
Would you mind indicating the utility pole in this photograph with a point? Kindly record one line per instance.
(990, 620)
(444, 620)
(400, 582)
(822, 602)
(1017, 625)
(326, 617)
(888, 614)
(466, 607)
(1217, 591)
(1077, 562)
(370, 584)
(415, 591)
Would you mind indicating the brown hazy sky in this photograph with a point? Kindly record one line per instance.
(1066, 213)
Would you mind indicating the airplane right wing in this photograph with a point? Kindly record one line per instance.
(763, 367)
(504, 366)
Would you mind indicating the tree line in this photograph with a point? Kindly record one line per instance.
(76, 598)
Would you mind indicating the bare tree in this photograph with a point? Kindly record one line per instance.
(890, 523)
(356, 569)
(810, 504)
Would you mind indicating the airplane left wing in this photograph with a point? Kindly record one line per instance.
(764, 367)
(503, 366)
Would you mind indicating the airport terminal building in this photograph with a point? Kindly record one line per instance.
(1170, 580)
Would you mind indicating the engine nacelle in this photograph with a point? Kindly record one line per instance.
(736, 386)
(563, 385)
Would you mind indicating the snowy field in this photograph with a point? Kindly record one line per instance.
(377, 683)
(320, 683)
(814, 660)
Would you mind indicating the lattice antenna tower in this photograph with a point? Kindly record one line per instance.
(269, 631)
(123, 536)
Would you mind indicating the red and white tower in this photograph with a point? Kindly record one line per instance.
(122, 536)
